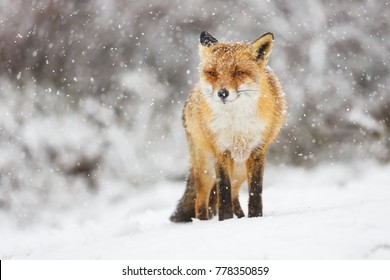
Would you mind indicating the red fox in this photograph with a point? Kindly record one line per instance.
(230, 118)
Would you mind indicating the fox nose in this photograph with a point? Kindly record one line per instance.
(223, 93)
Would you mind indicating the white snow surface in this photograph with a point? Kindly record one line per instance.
(328, 212)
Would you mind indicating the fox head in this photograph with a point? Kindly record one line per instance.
(231, 70)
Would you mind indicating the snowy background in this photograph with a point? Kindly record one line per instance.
(92, 152)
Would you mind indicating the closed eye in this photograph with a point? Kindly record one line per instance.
(238, 73)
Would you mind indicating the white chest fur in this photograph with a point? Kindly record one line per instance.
(237, 126)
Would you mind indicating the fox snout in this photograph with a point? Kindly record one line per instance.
(223, 93)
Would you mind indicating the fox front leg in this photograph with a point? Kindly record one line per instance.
(255, 169)
(224, 189)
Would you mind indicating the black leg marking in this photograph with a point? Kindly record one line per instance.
(225, 210)
(213, 201)
(255, 207)
(255, 202)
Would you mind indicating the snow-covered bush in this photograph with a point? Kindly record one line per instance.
(91, 92)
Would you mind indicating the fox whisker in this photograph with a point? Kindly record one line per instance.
(247, 90)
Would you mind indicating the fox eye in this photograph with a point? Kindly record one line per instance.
(238, 73)
(212, 73)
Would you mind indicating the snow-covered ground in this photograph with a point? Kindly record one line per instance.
(328, 212)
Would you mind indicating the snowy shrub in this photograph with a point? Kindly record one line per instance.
(91, 92)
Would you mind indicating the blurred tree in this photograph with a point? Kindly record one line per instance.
(121, 70)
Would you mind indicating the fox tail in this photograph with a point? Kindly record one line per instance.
(185, 209)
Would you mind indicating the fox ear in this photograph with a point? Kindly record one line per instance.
(261, 48)
(206, 39)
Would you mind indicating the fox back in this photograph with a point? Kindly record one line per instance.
(230, 118)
